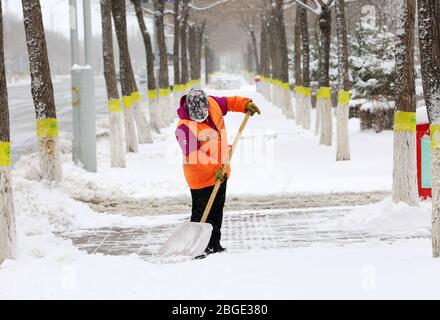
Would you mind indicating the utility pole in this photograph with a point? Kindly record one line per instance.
(83, 92)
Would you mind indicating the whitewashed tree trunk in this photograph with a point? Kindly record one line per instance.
(287, 102)
(318, 117)
(131, 141)
(142, 125)
(429, 34)
(117, 143)
(153, 105)
(299, 107)
(326, 122)
(128, 83)
(7, 220)
(342, 113)
(50, 159)
(343, 144)
(117, 134)
(404, 168)
(42, 92)
(306, 112)
(435, 165)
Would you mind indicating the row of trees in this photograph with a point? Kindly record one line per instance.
(161, 105)
(127, 115)
(274, 66)
(273, 69)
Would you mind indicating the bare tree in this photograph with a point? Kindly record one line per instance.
(324, 106)
(343, 144)
(297, 66)
(265, 57)
(42, 92)
(404, 168)
(306, 90)
(177, 88)
(184, 67)
(249, 25)
(280, 60)
(429, 43)
(7, 220)
(125, 69)
(151, 79)
(117, 144)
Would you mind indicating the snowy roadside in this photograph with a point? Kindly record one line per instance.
(276, 157)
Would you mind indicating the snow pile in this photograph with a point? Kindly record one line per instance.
(387, 215)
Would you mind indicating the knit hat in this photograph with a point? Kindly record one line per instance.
(198, 105)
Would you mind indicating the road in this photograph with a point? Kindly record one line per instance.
(22, 115)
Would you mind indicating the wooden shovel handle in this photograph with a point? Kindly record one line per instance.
(218, 182)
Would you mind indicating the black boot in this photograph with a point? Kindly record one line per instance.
(216, 248)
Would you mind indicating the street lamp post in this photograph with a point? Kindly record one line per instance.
(83, 92)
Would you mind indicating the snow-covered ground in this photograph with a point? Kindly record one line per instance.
(274, 157)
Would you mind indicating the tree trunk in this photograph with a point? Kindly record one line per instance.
(429, 35)
(42, 92)
(405, 171)
(306, 91)
(324, 97)
(151, 82)
(192, 48)
(184, 78)
(297, 63)
(176, 48)
(117, 145)
(265, 59)
(125, 70)
(343, 144)
(7, 219)
(255, 50)
(164, 85)
(282, 86)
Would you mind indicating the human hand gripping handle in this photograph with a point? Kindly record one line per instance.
(252, 108)
(223, 170)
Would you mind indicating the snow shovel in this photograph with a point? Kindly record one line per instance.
(192, 238)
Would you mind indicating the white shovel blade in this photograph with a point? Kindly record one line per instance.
(190, 239)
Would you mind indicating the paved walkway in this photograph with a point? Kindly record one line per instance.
(243, 231)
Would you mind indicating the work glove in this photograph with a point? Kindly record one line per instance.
(252, 108)
(220, 176)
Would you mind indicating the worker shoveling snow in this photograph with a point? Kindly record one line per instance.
(201, 134)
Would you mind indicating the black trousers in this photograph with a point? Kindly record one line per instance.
(200, 199)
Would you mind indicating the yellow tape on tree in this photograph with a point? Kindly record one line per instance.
(152, 94)
(164, 92)
(136, 96)
(435, 136)
(178, 88)
(114, 105)
(285, 85)
(324, 93)
(343, 98)
(307, 91)
(405, 121)
(5, 154)
(299, 90)
(47, 127)
(127, 101)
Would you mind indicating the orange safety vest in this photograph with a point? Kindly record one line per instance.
(201, 165)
